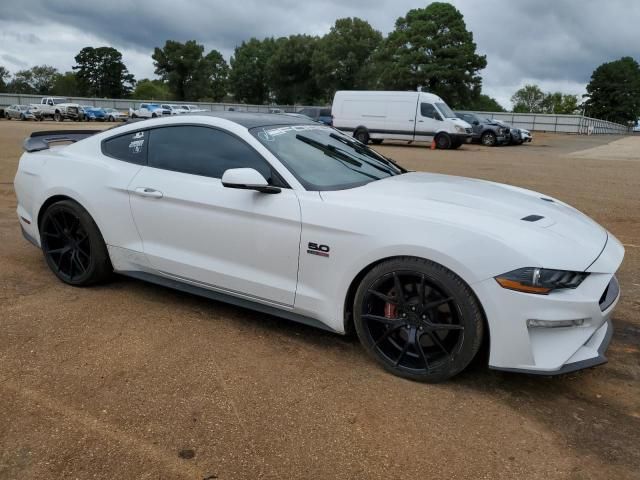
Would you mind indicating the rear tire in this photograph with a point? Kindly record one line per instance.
(73, 246)
(443, 141)
(428, 332)
(362, 136)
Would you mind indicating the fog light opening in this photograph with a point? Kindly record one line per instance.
(535, 323)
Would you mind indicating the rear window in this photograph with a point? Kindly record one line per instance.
(130, 147)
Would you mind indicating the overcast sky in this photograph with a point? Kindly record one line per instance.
(555, 44)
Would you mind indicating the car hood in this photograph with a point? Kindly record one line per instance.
(555, 234)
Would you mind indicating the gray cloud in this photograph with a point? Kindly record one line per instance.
(554, 44)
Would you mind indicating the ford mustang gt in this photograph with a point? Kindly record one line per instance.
(296, 219)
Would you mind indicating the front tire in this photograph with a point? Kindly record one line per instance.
(418, 319)
(443, 141)
(489, 139)
(73, 246)
(57, 117)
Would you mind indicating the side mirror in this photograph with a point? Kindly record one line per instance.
(438, 117)
(247, 179)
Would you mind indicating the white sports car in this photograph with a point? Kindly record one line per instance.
(293, 218)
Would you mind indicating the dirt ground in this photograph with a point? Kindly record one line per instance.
(130, 380)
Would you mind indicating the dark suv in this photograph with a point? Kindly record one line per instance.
(319, 114)
(485, 130)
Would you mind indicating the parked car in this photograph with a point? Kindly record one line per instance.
(192, 109)
(114, 115)
(410, 116)
(276, 110)
(636, 127)
(93, 114)
(526, 135)
(319, 114)
(515, 134)
(58, 108)
(148, 110)
(486, 131)
(293, 218)
(20, 112)
(173, 109)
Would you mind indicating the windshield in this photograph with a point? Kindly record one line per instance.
(445, 110)
(322, 158)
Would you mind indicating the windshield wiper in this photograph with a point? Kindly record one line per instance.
(336, 154)
(366, 151)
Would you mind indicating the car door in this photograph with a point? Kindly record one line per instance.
(474, 122)
(194, 229)
(428, 122)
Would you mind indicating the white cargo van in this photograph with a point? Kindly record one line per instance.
(411, 116)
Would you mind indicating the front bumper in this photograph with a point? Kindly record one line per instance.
(518, 347)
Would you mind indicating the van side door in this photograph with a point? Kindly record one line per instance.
(428, 122)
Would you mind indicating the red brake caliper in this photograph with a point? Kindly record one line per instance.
(390, 310)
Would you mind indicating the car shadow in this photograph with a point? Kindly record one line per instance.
(569, 405)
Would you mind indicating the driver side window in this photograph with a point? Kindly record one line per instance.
(204, 151)
(429, 111)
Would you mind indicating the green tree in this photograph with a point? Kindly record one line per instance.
(528, 99)
(341, 59)
(43, 78)
(189, 74)
(4, 76)
(151, 90)
(100, 72)
(432, 48)
(614, 91)
(559, 103)
(22, 82)
(289, 70)
(485, 103)
(248, 77)
(216, 71)
(65, 85)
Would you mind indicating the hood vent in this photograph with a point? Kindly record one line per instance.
(532, 218)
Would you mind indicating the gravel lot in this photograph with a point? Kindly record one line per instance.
(130, 380)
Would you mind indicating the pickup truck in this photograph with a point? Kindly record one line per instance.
(148, 110)
(57, 108)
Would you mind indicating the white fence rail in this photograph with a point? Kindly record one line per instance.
(577, 124)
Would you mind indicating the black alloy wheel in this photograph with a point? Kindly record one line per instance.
(72, 245)
(418, 319)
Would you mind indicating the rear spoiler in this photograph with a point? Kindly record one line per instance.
(41, 140)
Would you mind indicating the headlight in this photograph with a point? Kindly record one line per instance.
(540, 280)
(460, 129)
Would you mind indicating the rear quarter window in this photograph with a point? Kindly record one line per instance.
(130, 147)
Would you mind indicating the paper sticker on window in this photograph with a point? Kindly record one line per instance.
(137, 143)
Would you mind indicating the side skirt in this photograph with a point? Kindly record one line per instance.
(225, 298)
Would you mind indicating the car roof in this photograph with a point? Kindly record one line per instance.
(251, 120)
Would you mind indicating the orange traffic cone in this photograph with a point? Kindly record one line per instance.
(433, 144)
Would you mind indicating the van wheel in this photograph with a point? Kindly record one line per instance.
(153, 115)
(376, 141)
(362, 136)
(443, 141)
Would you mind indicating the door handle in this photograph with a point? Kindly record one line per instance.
(148, 192)
(420, 121)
